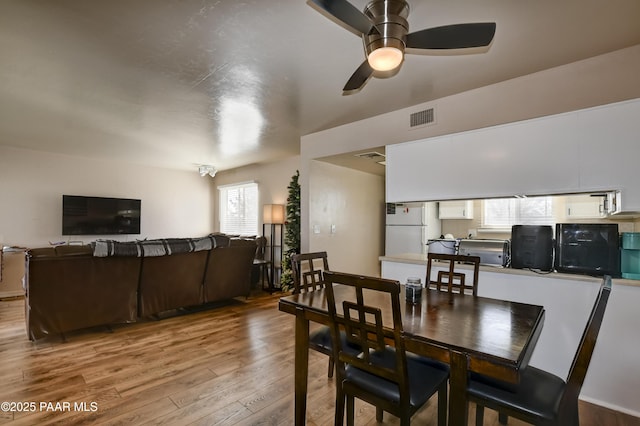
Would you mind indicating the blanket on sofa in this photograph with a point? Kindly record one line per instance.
(149, 248)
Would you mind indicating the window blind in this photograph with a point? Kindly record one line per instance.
(506, 212)
(239, 209)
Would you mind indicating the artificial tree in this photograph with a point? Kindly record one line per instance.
(292, 233)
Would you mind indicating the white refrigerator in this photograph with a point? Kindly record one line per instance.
(409, 226)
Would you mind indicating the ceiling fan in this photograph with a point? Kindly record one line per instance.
(385, 34)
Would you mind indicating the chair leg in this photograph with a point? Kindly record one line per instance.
(443, 405)
(331, 366)
(350, 410)
(379, 414)
(339, 417)
(479, 415)
(503, 419)
(405, 420)
(568, 415)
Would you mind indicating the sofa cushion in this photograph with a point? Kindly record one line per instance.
(220, 240)
(152, 248)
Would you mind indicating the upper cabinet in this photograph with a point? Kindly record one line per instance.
(529, 158)
(577, 152)
(585, 206)
(455, 209)
(609, 152)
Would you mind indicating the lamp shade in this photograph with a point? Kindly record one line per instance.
(273, 213)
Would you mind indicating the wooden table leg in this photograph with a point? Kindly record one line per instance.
(458, 405)
(301, 366)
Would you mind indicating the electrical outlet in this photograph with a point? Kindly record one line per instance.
(333, 229)
(316, 229)
(472, 233)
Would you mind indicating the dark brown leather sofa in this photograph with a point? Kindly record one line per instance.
(171, 282)
(68, 288)
(228, 272)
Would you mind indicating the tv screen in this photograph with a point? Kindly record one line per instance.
(587, 248)
(99, 215)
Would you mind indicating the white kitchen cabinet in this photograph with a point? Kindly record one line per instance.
(582, 151)
(584, 206)
(532, 157)
(609, 151)
(461, 209)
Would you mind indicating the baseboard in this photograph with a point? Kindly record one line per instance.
(610, 406)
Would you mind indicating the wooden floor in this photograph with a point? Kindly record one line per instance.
(230, 365)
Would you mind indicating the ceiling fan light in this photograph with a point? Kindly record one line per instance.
(385, 58)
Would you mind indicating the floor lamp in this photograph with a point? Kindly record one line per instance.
(273, 217)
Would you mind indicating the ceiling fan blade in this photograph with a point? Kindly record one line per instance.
(457, 36)
(353, 20)
(358, 79)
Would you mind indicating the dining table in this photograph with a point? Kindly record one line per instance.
(492, 337)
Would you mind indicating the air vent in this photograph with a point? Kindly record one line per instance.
(372, 155)
(422, 118)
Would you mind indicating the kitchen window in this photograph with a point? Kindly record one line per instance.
(239, 209)
(503, 213)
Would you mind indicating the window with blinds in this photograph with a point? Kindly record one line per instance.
(506, 212)
(239, 209)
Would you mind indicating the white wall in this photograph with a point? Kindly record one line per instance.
(596, 81)
(615, 376)
(273, 180)
(174, 203)
(353, 202)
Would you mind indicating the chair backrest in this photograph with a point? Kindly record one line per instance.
(368, 310)
(581, 361)
(453, 280)
(307, 271)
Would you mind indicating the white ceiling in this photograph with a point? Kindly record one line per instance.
(175, 83)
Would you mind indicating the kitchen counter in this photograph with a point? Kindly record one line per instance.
(567, 299)
(421, 259)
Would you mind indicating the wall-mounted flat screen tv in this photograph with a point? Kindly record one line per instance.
(99, 215)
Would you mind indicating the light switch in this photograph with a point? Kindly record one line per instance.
(316, 229)
(333, 228)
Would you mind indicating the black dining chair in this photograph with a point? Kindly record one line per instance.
(308, 271)
(541, 398)
(383, 375)
(453, 279)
